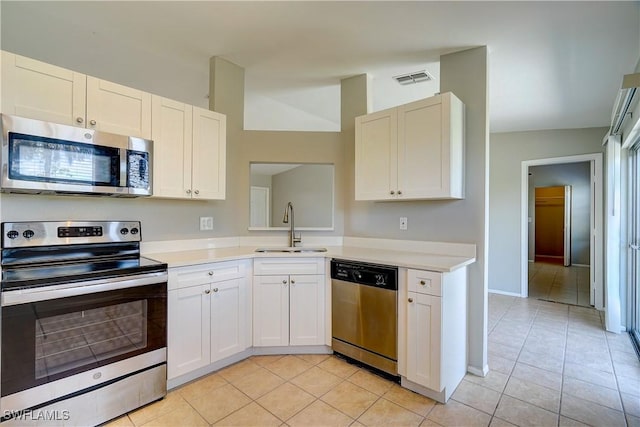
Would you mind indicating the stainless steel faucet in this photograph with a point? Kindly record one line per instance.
(292, 232)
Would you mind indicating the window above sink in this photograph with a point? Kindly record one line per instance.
(308, 186)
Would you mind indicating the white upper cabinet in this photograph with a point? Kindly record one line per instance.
(377, 155)
(118, 109)
(209, 157)
(171, 132)
(189, 151)
(42, 91)
(411, 152)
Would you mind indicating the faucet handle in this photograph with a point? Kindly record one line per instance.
(297, 239)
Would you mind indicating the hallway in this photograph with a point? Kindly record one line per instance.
(552, 282)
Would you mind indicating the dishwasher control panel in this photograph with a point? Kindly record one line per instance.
(381, 276)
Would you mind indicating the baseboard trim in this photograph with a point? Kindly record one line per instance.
(511, 294)
(478, 372)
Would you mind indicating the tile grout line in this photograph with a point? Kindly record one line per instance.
(615, 376)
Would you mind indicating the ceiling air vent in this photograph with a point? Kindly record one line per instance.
(415, 77)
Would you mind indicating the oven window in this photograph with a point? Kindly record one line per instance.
(68, 341)
(49, 340)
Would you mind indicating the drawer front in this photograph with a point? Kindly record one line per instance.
(267, 266)
(183, 277)
(425, 282)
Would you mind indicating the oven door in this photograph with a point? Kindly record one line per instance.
(55, 347)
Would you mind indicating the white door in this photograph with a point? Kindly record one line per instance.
(424, 314)
(189, 335)
(376, 155)
(306, 310)
(228, 318)
(172, 134)
(260, 207)
(270, 310)
(42, 91)
(208, 175)
(118, 109)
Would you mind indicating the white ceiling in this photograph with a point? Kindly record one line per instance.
(552, 64)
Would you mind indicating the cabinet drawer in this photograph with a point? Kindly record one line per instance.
(425, 282)
(182, 277)
(266, 266)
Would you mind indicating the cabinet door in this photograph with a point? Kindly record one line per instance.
(118, 109)
(306, 309)
(189, 335)
(423, 155)
(270, 311)
(172, 134)
(431, 148)
(376, 156)
(42, 91)
(228, 318)
(209, 157)
(424, 340)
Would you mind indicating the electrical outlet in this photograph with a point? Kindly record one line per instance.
(206, 223)
(403, 223)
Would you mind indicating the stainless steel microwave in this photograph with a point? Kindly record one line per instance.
(49, 158)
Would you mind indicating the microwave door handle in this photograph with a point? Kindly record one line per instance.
(124, 167)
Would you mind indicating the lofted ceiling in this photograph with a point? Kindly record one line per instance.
(552, 64)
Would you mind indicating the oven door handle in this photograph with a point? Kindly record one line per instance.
(25, 296)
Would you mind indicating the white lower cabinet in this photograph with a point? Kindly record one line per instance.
(208, 315)
(288, 309)
(436, 332)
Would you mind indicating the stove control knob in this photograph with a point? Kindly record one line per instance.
(28, 234)
(124, 231)
(12, 234)
(134, 230)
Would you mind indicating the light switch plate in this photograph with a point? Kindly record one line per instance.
(403, 223)
(206, 223)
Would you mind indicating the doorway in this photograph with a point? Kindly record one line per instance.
(586, 252)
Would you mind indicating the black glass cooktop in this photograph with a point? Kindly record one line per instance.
(29, 276)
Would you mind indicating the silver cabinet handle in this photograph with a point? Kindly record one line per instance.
(399, 192)
(410, 299)
(92, 122)
(215, 289)
(208, 291)
(79, 120)
(392, 192)
(293, 282)
(189, 191)
(211, 273)
(197, 191)
(284, 282)
(422, 282)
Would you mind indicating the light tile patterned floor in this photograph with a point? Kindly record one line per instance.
(558, 283)
(550, 365)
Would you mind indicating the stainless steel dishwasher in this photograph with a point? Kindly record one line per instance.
(364, 313)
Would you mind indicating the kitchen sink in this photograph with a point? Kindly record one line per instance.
(290, 250)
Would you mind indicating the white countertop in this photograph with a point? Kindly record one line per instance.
(417, 260)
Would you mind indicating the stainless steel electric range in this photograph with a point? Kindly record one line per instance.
(83, 322)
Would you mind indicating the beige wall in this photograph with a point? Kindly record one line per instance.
(310, 190)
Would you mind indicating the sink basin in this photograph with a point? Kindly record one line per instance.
(291, 250)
